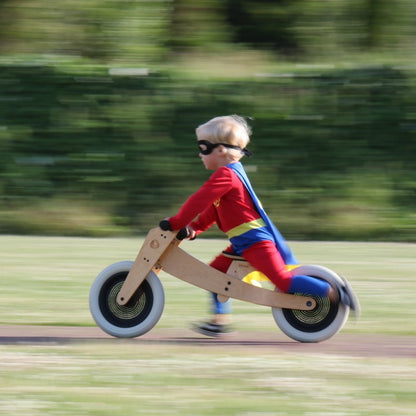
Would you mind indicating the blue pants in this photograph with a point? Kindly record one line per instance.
(219, 307)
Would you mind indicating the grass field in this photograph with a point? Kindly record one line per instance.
(46, 280)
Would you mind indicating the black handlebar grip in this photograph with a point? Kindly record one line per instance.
(183, 233)
(165, 225)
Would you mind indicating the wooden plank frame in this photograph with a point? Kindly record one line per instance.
(156, 242)
(161, 251)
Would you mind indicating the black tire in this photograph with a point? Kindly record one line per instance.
(139, 315)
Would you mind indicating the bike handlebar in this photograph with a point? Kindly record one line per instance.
(182, 233)
(165, 225)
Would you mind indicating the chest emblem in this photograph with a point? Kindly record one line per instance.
(217, 203)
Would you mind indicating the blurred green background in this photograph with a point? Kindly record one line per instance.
(99, 100)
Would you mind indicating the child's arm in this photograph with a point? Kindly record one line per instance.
(206, 219)
(219, 183)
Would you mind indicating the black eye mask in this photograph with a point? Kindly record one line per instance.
(206, 147)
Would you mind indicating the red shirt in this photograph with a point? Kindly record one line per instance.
(223, 200)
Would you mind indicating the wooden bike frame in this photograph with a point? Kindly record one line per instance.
(161, 251)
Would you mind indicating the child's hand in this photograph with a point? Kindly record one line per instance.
(192, 233)
(186, 233)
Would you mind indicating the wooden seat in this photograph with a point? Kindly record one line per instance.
(233, 256)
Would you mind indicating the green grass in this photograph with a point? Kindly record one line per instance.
(122, 378)
(45, 280)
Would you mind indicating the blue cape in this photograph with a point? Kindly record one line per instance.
(282, 247)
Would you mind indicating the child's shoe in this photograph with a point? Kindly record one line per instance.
(349, 298)
(211, 329)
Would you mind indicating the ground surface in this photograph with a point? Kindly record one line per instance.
(342, 344)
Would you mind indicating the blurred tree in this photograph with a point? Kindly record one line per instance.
(265, 23)
(104, 31)
(330, 28)
(197, 25)
(142, 31)
(75, 126)
(375, 17)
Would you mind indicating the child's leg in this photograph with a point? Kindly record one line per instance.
(219, 324)
(265, 257)
(222, 264)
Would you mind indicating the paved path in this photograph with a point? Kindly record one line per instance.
(341, 344)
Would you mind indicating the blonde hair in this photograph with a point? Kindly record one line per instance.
(232, 130)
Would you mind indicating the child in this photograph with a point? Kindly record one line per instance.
(228, 200)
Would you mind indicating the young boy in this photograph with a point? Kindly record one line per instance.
(228, 200)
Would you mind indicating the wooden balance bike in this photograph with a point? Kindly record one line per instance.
(127, 298)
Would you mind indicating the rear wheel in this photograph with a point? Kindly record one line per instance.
(139, 315)
(320, 323)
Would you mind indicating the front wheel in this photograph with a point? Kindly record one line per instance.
(320, 323)
(139, 315)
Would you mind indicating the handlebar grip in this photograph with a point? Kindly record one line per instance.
(165, 225)
(183, 233)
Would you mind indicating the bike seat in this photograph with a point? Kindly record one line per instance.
(233, 256)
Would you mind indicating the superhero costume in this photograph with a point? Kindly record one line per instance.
(229, 200)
